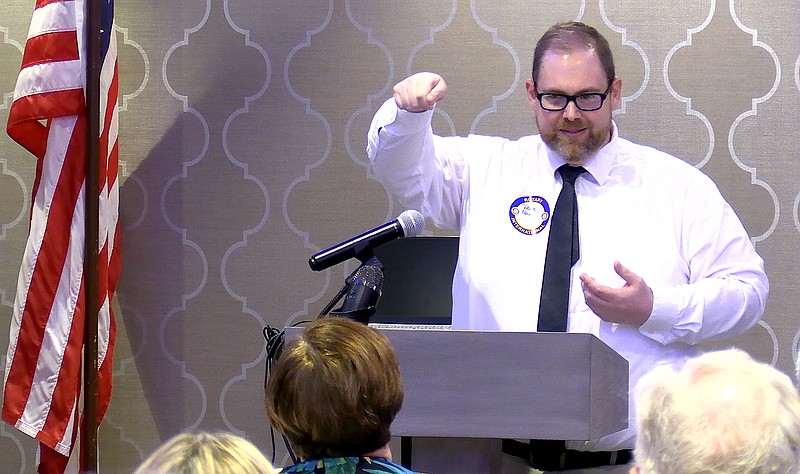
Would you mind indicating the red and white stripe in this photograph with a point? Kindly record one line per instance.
(43, 372)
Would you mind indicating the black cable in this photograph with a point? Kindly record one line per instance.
(274, 347)
(289, 449)
(272, 444)
(339, 295)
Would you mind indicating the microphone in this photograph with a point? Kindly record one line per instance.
(362, 294)
(407, 224)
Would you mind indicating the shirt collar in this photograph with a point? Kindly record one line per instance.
(599, 166)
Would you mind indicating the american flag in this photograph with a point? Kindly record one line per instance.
(43, 378)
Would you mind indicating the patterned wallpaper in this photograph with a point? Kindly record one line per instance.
(242, 143)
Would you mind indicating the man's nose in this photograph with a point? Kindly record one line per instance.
(572, 112)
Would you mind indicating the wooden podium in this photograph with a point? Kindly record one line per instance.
(467, 390)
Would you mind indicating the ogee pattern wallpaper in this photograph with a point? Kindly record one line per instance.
(242, 136)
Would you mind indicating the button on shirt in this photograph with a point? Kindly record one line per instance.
(659, 216)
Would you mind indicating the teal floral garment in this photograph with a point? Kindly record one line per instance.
(349, 465)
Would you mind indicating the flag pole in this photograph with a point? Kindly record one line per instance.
(90, 272)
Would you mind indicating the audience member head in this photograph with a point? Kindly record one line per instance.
(206, 453)
(335, 390)
(721, 412)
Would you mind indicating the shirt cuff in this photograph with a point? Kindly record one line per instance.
(666, 304)
(406, 122)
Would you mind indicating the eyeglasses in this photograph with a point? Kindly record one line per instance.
(587, 102)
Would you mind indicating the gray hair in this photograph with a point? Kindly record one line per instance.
(721, 412)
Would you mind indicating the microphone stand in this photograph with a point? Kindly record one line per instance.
(366, 257)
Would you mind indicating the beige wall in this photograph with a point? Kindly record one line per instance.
(242, 135)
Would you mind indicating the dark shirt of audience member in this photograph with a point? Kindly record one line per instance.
(334, 393)
(721, 412)
(206, 453)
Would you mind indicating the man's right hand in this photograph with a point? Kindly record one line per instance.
(419, 92)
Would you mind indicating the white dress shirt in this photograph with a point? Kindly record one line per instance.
(657, 215)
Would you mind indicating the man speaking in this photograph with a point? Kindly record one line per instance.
(576, 228)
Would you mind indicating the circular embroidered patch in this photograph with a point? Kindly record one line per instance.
(529, 214)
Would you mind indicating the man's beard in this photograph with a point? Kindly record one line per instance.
(575, 153)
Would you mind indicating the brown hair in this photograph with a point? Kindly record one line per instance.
(570, 36)
(335, 390)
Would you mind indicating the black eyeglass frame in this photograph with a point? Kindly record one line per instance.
(574, 99)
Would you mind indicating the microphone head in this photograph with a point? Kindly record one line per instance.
(363, 293)
(370, 276)
(412, 222)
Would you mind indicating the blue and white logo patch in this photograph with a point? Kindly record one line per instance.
(529, 214)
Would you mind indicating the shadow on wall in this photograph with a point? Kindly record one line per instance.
(182, 209)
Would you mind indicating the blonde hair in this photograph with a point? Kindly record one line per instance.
(206, 453)
(719, 413)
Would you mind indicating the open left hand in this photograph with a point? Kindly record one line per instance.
(630, 304)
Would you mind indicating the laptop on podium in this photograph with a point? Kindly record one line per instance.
(417, 282)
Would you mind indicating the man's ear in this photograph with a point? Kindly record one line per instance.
(634, 470)
(616, 94)
(530, 88)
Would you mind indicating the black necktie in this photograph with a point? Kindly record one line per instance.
(563, 250)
